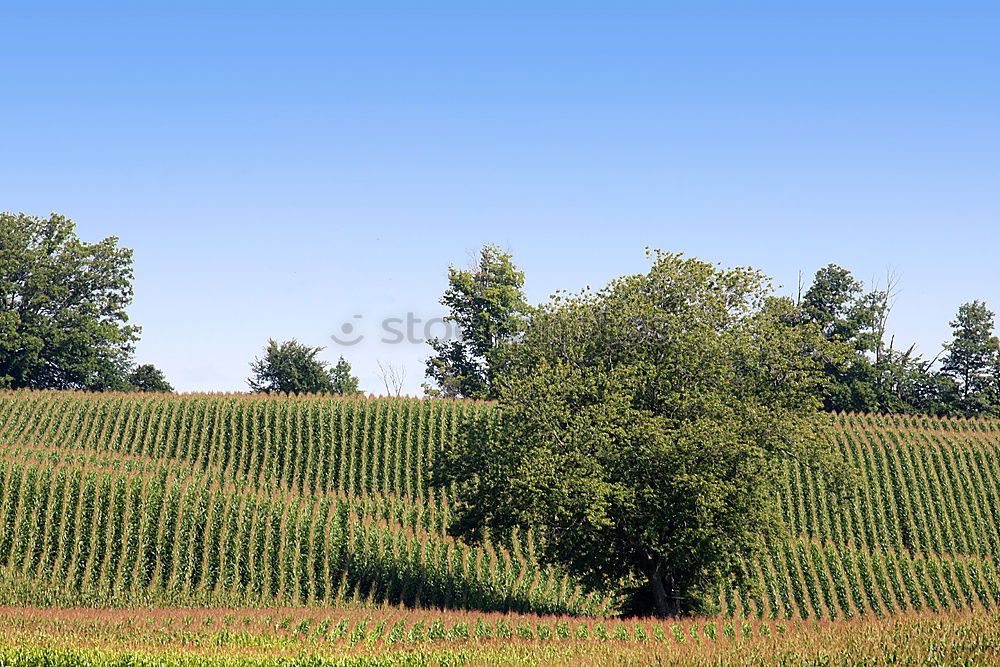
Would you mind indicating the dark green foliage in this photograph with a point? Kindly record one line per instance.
(341, 379)
(148, 377)
(864, 373)
(641, 429)
(972, 360)
(62, 306)
(292, 367)
(486, 303)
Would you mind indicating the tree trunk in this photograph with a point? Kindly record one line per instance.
(660, 596)
(666, 604)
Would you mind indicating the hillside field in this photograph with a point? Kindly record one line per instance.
(243, 502)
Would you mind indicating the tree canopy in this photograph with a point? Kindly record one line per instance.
(63, 323)
(864, 371)
(972, 359)
(486, 303)
(641, 427)
(149, 378)
(292, 367)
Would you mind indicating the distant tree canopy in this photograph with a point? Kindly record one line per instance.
(641, 429)
(853, 321)
(865, 373)
(972, 361)
(148, 378)
(864, 370)
(487, 305)
(63, 323)
(293, 368)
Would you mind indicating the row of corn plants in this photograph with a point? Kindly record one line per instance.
(807, 578)
(921, 530)
(309, 443)
(90, 534)
(920, 490)
(245, 638)
(74, 534)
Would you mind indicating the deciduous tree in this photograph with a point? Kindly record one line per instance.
(148, 377)
(641, 429)
(292, 367)
(62, 306)
(972, 358)
(487, 304)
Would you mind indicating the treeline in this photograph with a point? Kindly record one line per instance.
(63, 325)
(871, 375)
(864, 369)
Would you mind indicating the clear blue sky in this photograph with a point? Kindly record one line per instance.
(282, 167)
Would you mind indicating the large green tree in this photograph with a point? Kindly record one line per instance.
(486, 304)
(292, 367)
(972, 358)
(641, 429)
(62, 306)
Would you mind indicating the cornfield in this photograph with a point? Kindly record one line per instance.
(209, 500)
(921, 532)
(363, 637)
(239, 500)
